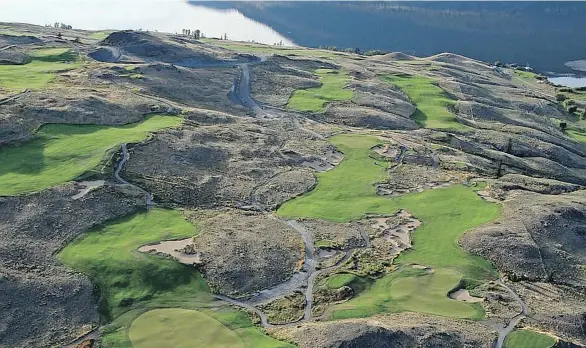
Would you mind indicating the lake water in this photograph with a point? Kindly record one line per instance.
(162, 15)
(568, 81)
(542, 34)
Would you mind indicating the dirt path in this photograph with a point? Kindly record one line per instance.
(125, 157)
(504, 332)
(92, 335)
(305, 279)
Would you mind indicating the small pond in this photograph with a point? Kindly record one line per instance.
(568, 81)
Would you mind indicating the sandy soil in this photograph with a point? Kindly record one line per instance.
(463, 295)
(173, 248)
(397, 230)
(87, 187)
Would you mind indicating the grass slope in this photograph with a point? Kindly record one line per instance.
(529, 339)
(132, 283)
(61, 152)
(108, 256)
(431, 101)
(347, 193)
(40, 71)
(180, 328)
(339, 280)
(332, 89)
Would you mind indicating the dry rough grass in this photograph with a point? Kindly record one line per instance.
(407, 330)
(241, 166)
(538, 238)
(245, 252)
(32, 229)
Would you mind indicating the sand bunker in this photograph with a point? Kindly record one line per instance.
(173, 248)
(464, 295)
(397, 230)
(88, 186)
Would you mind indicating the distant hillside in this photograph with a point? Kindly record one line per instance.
(542, 34)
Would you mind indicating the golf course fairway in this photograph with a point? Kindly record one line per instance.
(60, 152)
(348, 192)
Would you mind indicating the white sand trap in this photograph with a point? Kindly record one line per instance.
(464, 295)
(399, 236)
(88, 186)
(171, 248)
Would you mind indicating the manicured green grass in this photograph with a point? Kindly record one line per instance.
(339, 280)
(525, 74)
(99, 35)
(40, 71)
(180, 328)
(431, 101)
(347, 193)
(108, 255)
(332, 89)
(132, 283)
(410, 291)
(61, 152)
(529, 339)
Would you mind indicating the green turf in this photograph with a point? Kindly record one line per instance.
(125, 276)
(131, 283)
(61, 152)
(339, 280)
(431, 101)
(40, 71)
(529, 339)
(332, 89)
(347, 193)
(99, 35)
(410, 291)
(180, 328)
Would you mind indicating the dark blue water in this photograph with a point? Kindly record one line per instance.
(542, 34)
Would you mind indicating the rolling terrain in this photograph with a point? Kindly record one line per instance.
(155, 186)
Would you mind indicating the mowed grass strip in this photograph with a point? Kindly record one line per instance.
(181, 328)
(61, 152)
(332, 89)
(348, 193)
(40, 71)
(339, 280)
(431, 101)
(529, 339)
(108, 256)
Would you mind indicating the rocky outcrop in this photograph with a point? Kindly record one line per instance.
(538, 238)
(42, 302)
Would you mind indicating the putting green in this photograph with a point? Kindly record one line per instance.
(529, 339)
(181, 328)
(61, 152)
(429, 294)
